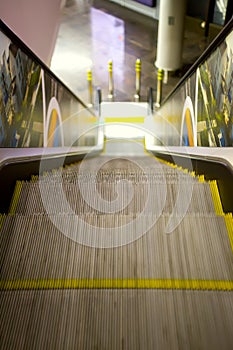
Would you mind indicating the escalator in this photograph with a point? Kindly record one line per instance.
(82, 276)
(116, 249)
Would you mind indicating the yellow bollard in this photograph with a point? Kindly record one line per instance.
(110, 81)
(90, 89)
(159, 87)
(138, 80)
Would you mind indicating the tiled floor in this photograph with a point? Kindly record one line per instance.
(93, 32)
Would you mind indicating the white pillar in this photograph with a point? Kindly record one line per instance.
(170, 34)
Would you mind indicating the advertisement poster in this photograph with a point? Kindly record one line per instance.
(214, 99)
(21, 116)
(200, 112)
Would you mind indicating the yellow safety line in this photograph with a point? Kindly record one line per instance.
(124, 120)
(15, 197)
(201, 178)
(41, 284)
(229, 225)
(216, 197)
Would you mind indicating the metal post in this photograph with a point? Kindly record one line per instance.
(90, 89)
(159, 87)
(110, 81)
(98, 101)
(138, 80)
(150, 100)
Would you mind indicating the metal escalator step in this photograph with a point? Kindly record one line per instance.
(117, 319)
(199, 248)
(82, 275)
(79, 189)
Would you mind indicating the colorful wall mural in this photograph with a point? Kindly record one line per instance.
(20, 98)
(214, 97)
(36, 109)
(200, 112)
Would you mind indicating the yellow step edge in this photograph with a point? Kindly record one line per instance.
(201, 178)
(192, 173)
(216, 197)
(15, 197)
(34, 178)
(229, 225)
(178, 284)
(172, 165)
